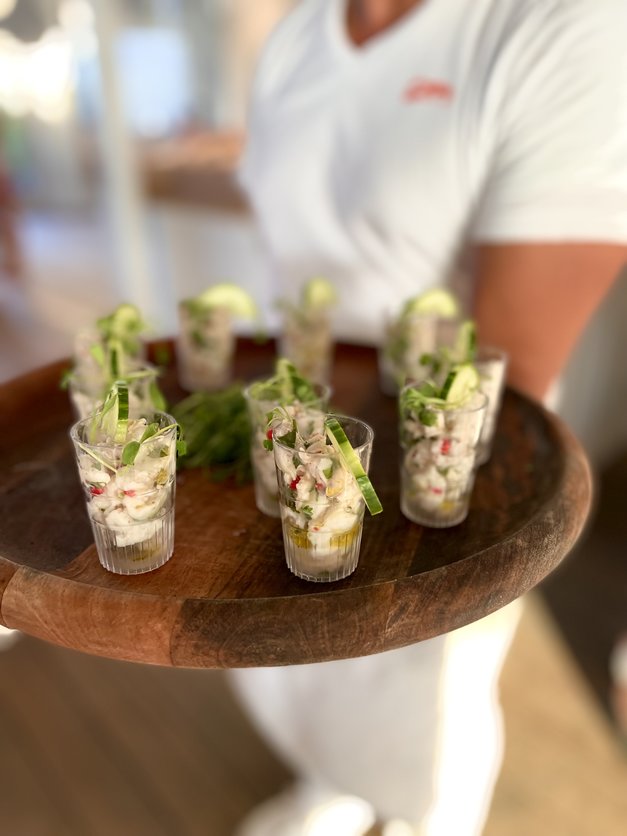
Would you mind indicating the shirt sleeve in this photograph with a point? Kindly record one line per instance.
(558, 169)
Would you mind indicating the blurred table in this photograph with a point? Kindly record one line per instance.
(195, 170)
(226, 598)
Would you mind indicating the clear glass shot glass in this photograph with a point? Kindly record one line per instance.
(406, 341)
(307, 341)
(130, 507)
(491, 363)
(262, 459)
(87, 394)
(204, 348)
(85, 363)
(439, 447)
(322, 508)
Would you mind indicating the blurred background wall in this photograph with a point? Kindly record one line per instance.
(120, 127)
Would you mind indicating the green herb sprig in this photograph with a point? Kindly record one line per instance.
(286, 385)
(217, 433)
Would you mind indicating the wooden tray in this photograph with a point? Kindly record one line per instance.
(226, 598)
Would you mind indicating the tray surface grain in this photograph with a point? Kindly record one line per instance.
(226, 598)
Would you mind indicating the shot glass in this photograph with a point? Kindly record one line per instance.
(307, 341)
(87, 394)
(491, 363)
(130, 507)
(262, 459)
(439, 447)
(322, 508)
(204, 347)
(406, 342)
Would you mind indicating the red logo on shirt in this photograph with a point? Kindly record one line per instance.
(421, 89)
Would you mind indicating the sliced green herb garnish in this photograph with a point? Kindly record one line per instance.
(96, 457)
(285, 386)
(157, 397)
(152, 431)
(97, 352)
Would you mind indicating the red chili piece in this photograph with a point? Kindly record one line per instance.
(445, 449)
(96, 491)
(269, 435)
(129, 493)
(294, 482)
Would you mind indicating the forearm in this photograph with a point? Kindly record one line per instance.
(534, 301)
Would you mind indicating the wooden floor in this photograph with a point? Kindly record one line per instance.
(93, 747)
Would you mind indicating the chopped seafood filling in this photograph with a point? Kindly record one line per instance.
(321, 504)
(439, 458)
(121, 496)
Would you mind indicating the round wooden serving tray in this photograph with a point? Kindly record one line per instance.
(226, 598)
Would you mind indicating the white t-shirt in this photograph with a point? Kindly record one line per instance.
(475, 121)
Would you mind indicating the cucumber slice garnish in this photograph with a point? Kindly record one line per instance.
(122, 423)
(111, 421)
(340, 442)
(461, 382)
(434, 302)
(105, 421)
(466, 343)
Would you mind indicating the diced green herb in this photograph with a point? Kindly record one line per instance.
(428, 417)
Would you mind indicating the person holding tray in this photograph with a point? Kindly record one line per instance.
(394, 146)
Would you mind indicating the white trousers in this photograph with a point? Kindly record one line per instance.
(417, 732)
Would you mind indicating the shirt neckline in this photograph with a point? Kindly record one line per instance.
(393, 34)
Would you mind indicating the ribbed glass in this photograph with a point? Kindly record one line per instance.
(153, 546)
(335, 560)
(444, 515)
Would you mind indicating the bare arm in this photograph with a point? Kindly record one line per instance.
(534, 301)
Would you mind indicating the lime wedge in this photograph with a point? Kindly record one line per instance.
(229, 296)
(319, 293)
(434, 302)
(125, 318)
(124, 322)
(350, 458)
(461, 382)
